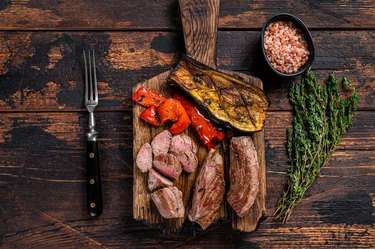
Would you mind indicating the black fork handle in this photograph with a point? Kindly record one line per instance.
(94, 188)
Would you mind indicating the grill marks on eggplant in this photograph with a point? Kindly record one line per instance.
(227, 100)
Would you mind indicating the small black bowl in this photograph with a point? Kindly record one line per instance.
(302, 27)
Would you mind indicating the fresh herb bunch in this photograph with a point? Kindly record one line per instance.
(322, 115)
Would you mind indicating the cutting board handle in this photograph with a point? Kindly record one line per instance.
(199, 24)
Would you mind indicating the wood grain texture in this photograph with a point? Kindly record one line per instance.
(40, 187)
(199, 23)
(42, 71)
(157, 15)
(42, 194)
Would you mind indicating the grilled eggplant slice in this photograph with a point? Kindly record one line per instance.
(226, 99)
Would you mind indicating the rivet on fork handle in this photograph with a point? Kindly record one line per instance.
(94, 191)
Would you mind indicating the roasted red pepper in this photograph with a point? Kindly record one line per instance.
(168, 111)
(208, 132)
(183, 121)
(147, 97)
(172, 110)
(161, 110)
(149, 115)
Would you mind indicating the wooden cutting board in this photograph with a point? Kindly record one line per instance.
(199, 22)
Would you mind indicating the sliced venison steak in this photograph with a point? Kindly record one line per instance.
(161, 142)
(168, 165)
(243, 173)
(209, 190)
(169, 202)
(181, 143)
(188, 160)
(156, 180)
(144, 158)
(185, 150)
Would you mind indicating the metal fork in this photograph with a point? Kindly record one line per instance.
(94, 192)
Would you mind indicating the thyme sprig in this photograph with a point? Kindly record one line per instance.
(322, 114)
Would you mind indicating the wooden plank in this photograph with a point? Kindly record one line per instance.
(143, 14)
(41, 71)
(42, 189)
(65, 132)
(363, 127)
(312, 237)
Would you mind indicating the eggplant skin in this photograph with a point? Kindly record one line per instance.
(228, 101)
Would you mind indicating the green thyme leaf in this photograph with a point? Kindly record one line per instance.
(322, 114)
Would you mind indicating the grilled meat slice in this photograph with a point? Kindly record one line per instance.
(161, 143)
(181, 143)
(243, 173)
(156, 180)
(168, 165)
(226, 99)
(185, 149)
(144, 158)
(188, 160)
(169, 202)
(209, 190)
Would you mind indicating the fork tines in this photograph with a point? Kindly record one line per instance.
(91, 85)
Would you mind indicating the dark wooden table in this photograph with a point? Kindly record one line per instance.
(43, 122)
